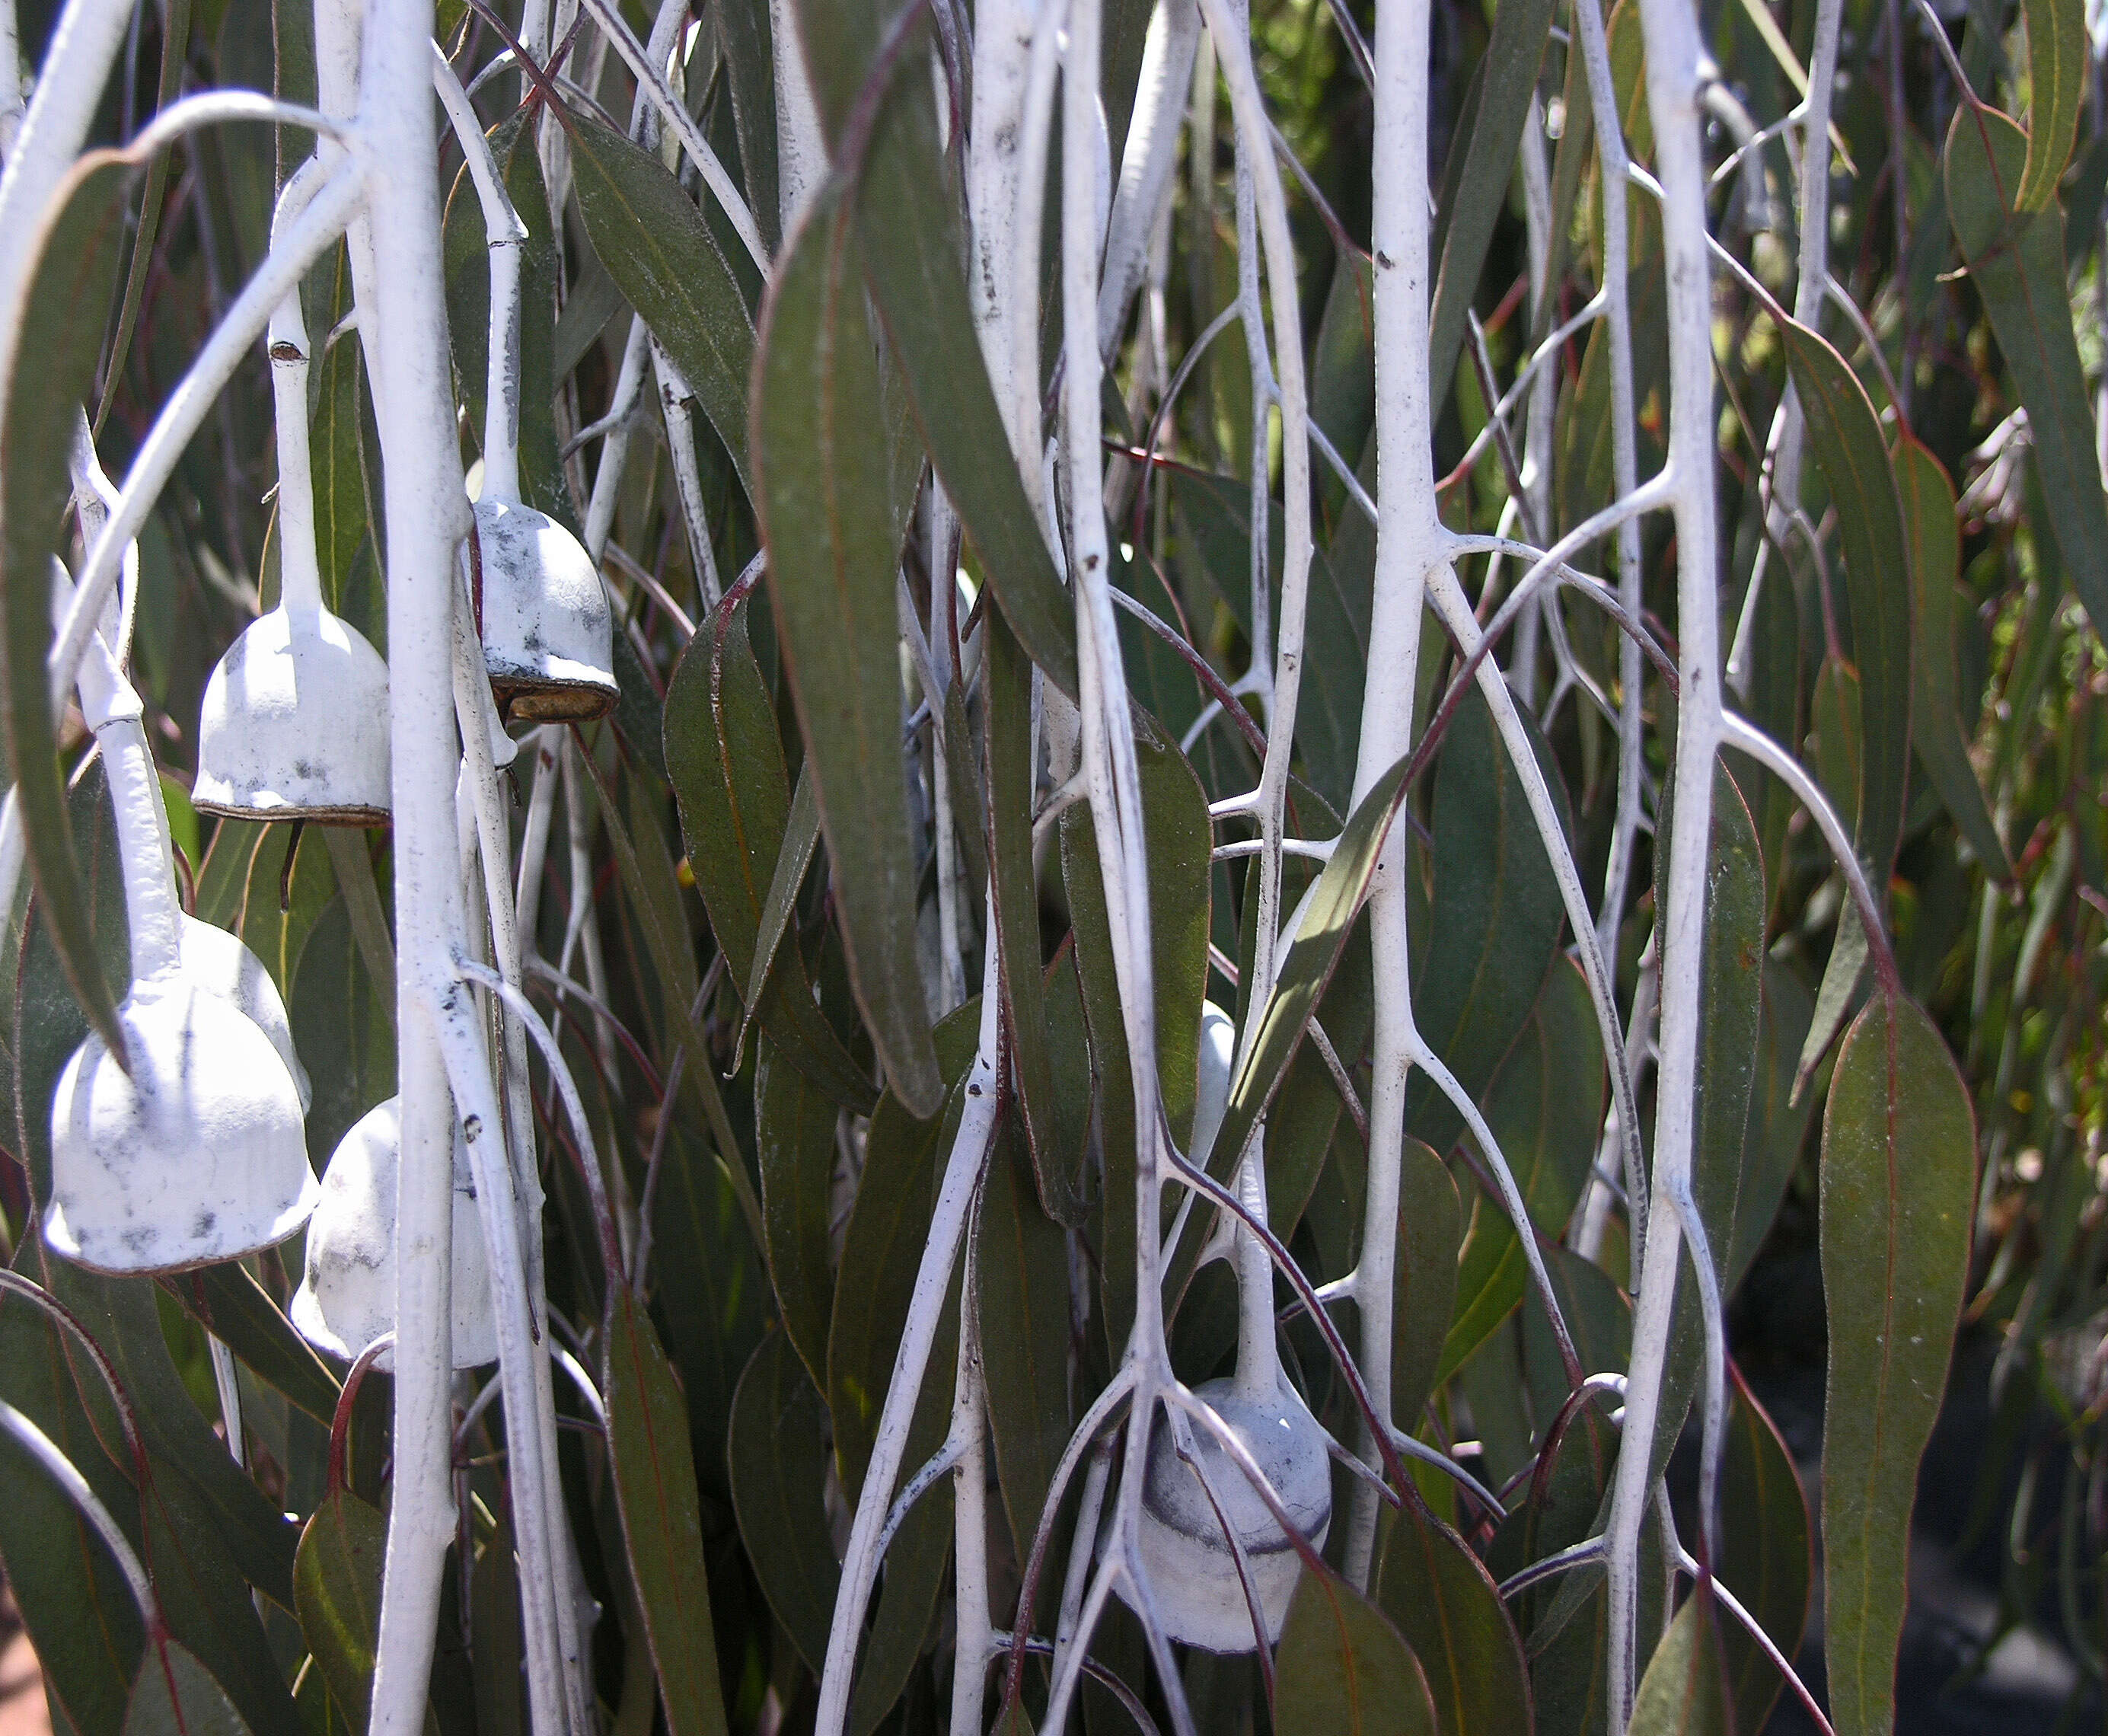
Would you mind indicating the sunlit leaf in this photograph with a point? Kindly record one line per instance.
(2059, 66)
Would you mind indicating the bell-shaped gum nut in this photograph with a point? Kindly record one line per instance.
(1192, 1571)
(295, 725)
(347, 1295)
(548, 633)
(1218, 1056)
(198, 1156)
(218, 963)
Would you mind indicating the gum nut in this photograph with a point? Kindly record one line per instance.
(548, 635)
(218, 963)
(197, 1157)
(295, 725)
(1219, 1054)
(347, 1295)
(1192, 1573)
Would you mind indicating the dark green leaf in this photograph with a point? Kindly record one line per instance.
(779, 1462)
(1682, 1693)
(1022, 1263)
(1777, 1126)
(1846, 436)
(1765, 1559)
(176, 1696)
(820, 457)
(2017, 261)
(497, 1636)
(1927, 499)
(794, 1132)
(1450, 1613)
(662, 257)
(1899, 1187)
(655, 1485)
(343, 1028)
(1344, 1669)
(336, 1591)
(236, 1309)
(2059, 67)
(70, 290)
(725, 761)
(1430, 1231)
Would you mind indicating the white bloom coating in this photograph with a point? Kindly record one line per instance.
(198, 1157)
(1219, 1062)
(548, 635)
(295, 725)
(1192, 1573)
(347, 1295)
(221, 965)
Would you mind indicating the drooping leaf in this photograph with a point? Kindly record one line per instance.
(801, 843)
(794, 1136)
(2016, 259)
(1344, 1668)
(2058, 68)
(1927, 498)
(1495, 920)
(1845, 434)
(1176, 836)
(1682, 1693)
(1777, 1128)
(236, 1309)
(1430, 1231)
(336, 1592)
(908, 215)
(1545, 1108)
(175, 1695)
(654, 1485)
(1476, 193)
(820, 460)
(1765, 1556)
(1022, 1265)
(662, 257)
(497, 1636)
(778, 1453)
(725, 761)
(343, 1029)
(1899, 1187)
(1450, 1613)
(77, 251)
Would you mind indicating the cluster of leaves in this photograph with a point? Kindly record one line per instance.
(756, 896)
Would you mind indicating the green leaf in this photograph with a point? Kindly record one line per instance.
(1777, 1126)
(908, 217)
(336, 1592)
(1899, 1187)
(820, 458)
(497, 1633)
(2017, 260)
(778, 1452)
(662, 257)
(725, 761)
(1545, 1106)
(794, 1136)
(1495, 921)
(1006, 705)
(1345, 1670)
(1475, 196)
(1450, 1613)
(176, 1696)
(1927, 498)
(347, 499)
(1430, 1231)
(1765, 1556)
(1178, 839)
(343, 1029)
(801, 843)
(236, 1309)
(1682, 1693)
(1846, 436)
(69, 292)
(662, 1526)
(1022, 1265)
(2058, 67)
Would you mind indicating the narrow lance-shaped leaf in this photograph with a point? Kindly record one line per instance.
(2058, 67)
(908, 215)
(336, 1594)
(1846, 436)
(1446, 1605)
(818, 424)
(656, 246)
(794, 1138)
(2017, 260)
(1682, 1693)
(778, 1451)
(1935, 567)
(1898, 1185)
(78, 253)
(662, 1525)
(1765, 1556)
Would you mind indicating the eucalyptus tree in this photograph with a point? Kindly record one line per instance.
(1263, 698)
